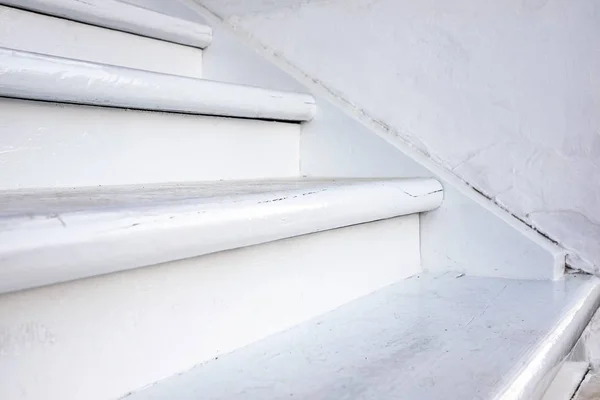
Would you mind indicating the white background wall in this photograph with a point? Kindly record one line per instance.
(503, 94)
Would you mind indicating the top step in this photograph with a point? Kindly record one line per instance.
(55, 235)
(116, 15)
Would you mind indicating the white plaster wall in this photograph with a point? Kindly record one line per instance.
(503, 94)
(174, 8)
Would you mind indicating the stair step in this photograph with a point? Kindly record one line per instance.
(119, 332)
(121, 16)
(33, 76)
(69, 145)
(39, 33)
(56, 235)
(428, 337)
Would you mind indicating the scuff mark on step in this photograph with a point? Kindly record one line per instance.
(422, 195)
(291, 197)
(273, 200)
(58, 217)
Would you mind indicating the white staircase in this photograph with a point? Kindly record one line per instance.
(152, 221)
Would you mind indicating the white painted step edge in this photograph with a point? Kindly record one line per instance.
(33, 76)
(39, 249)
(525, 380)
(116, 15)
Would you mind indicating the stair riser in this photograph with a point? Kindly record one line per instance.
(54, 145)
(120, 332)
(29, 31)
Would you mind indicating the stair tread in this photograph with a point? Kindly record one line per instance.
(53, 235)
(33, 76)
(50, 201)
(117, 15)
(428, 337)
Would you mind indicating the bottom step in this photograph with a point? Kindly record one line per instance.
(447, 337)
(101, 337)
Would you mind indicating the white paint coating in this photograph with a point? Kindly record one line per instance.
(503, 95)
(423, 338)
(40, 77)
(340, 143)
(49, 236)
(67, 145)
(29, 31)
(100, 338)
(121, 16)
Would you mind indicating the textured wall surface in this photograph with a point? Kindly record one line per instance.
(506, 95)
